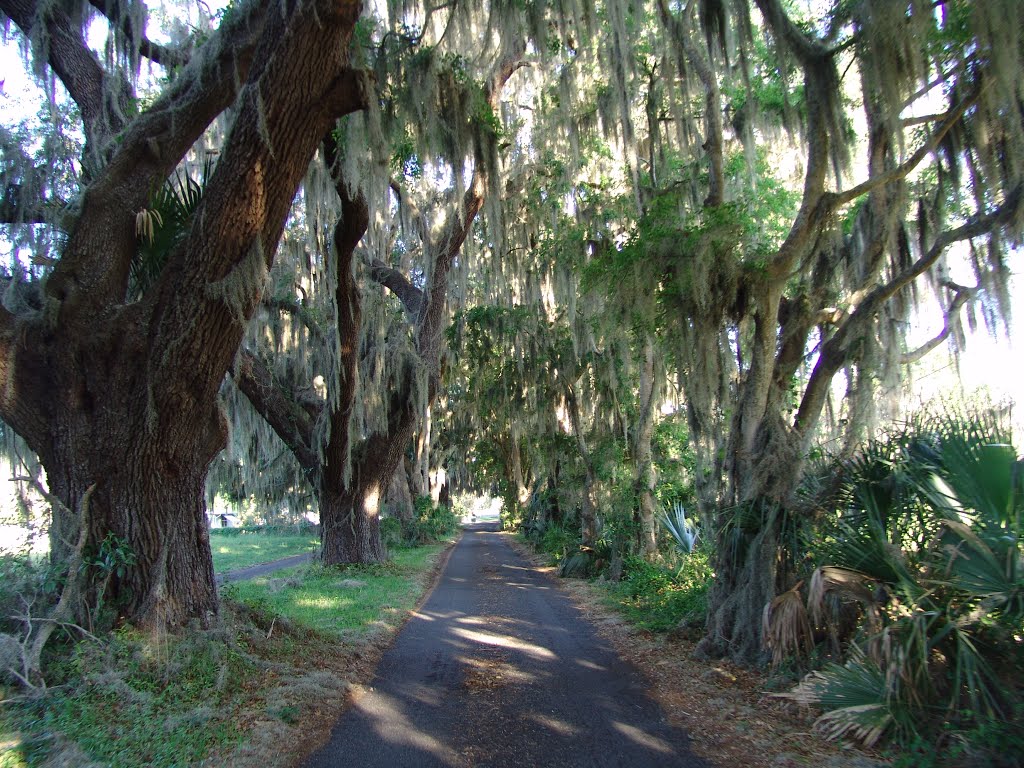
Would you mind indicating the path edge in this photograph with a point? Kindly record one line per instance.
(315, 738)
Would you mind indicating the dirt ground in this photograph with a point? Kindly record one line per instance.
(733, 720)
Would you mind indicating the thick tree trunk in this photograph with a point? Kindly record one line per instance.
(121, 396)
(518, 479)
(644, 477)
(350, 513)
(399, 496)
(420, 476)
(438, 482)
(350, 527)
(745, 581)
(588, 509)
(148, 478)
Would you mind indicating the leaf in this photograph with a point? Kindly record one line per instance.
(785, 628)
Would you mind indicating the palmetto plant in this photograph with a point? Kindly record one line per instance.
(927, 548)
(684, 532)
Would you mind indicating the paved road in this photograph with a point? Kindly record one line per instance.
(499, 669)
(241, 574)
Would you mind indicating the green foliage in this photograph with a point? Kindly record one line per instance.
(26, 580)
(432, 523)
(554, 538)
(391, 533)
(113, 557)
(674, 460)
(683, 532)
(928, 530)
(660, 598)
(162, 226)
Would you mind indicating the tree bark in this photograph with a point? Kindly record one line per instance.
(399, 497)
(123, 396)
(588, 501)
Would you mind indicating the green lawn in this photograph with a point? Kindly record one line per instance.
(176, 699)
(348, 601)
(240, 549)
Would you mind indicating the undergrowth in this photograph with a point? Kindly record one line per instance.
(430, 524)
(281, 649)
(659, 597)
(133, 700)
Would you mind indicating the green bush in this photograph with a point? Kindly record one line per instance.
(660, 598)
(432, 523)
(391, 532)
(925, 551)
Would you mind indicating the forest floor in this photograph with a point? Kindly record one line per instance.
(728, 710)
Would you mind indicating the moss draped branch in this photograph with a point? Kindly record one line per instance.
(838, 349)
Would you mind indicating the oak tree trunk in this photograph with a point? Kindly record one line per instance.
(350, 527)
(149, 478)
(644, 473)
(399, 496)
(119, 393)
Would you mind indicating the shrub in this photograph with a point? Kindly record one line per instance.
(926, 547)
(432, 523)
(391, 532)
(659, 598)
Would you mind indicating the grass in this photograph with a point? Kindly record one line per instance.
(281, 655)
(233, 550)
(129, 701)
(348, 601)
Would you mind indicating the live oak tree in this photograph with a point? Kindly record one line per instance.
(769, 284)
(772, 294)
(117, 391)
(381, 370)
(769, 195)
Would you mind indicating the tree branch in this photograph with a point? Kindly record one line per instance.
(392, 279)
(295, 309)
(836, 351)
(216, 276)
(963, 295)
(150, 147)
(290, 421)
(950, 118)
(101, 98)
(159, 54)
(713, 143)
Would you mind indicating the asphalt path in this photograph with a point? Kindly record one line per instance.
(262, 569)
(498, 668)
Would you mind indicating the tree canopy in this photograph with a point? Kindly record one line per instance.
(343, 241)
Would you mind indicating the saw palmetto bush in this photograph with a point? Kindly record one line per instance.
(924, 551)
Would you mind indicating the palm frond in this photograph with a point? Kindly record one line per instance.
(846, 585)
(856, 697)
(685, 532)
(785, 628)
